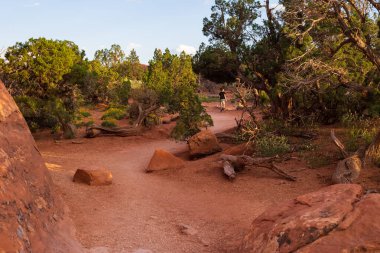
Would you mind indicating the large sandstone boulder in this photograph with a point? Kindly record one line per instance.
(32, 216)
(163, 160)
(338, 218)
(203, 143)
(95, 177)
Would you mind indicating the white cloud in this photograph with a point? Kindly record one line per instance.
(208, 2)
(188, 49)
(133, 45)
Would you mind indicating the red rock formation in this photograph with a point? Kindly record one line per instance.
(32, 216)
(334, 219)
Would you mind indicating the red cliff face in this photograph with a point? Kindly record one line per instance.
(32, 214)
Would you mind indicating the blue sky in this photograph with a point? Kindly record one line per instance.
(96, 24)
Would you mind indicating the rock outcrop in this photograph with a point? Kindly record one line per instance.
(203, 143)
(163, 160)
(32, 216)
(337, 218)
(95, 177)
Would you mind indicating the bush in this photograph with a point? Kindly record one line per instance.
(271, 145)
(109, 123)
(114, 113)
(151, 120)
(358, 136)
(349, 119)
(85, 114)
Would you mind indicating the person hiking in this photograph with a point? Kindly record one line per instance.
(222, 97)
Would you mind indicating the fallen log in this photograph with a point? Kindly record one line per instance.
(95, 131)
(233, 164)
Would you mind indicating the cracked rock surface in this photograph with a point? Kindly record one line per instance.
(32, 216)
(338, 218)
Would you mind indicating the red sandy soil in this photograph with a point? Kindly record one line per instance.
(143, 211)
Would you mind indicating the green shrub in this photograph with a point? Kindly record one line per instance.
(208, 99)
(109, 123)
(114, 113)
(360, 135)
(89, 123)
(349, 119)
(271, 145)
(85, 114)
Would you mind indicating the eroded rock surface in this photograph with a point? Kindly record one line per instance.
(32, 216)
(203, 143)
(337, 218)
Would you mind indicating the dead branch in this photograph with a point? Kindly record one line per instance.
(143, 113)
(96, 131)
(349, 168)
(233, 164)
(229, 170)
(339, 144)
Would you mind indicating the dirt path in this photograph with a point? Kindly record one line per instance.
(143, 211)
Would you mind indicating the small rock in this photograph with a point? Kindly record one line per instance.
(203, 143)
(187, 230)
(163, 160)
(93, 177)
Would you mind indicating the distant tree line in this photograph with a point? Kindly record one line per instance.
(51, 79)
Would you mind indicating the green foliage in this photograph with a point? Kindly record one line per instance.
(110, 57)
(109, 123)
(171, 77)
(349, 119)
(151, 120)
(215, 63)
(35, 74)
(208, 99)
(271, 145)
(358, 136)
(114, 113)
(84, 114)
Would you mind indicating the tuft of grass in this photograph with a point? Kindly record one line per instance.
(349, 119)
(114, 113)
(271, 145)
(85, 114)
(89, 123)
(360, 133)
(109, 123)
(208, 99)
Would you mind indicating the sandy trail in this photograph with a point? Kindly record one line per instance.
(143, 211)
